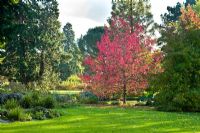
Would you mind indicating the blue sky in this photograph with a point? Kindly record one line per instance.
(85, 14)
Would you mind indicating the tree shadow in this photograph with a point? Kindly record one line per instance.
(97, 120)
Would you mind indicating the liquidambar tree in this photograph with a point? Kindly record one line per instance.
(124, 61)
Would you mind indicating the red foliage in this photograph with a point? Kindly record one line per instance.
(124, 60)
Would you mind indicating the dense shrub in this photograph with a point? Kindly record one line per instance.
(41, 113)
(18, 114)
(36, 96)
(72, 83)
(66, 98)
(11, 104)
(30, 100)
(88, 97)
(35, 99)
(5, 97)
(39, 102)
(52, 114)
(39, 108)
(48, 102)
(38, 113)
(26, 101)
(61, 98)
(178, 100)
(25, 117)
(3, 113)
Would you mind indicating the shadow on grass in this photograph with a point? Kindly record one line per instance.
(120, 120)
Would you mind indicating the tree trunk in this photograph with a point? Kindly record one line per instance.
(22, 52)
(41, 72)
(131, 21)
(124, 94)
(23, 67)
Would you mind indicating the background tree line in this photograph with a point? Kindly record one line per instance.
(34, 49)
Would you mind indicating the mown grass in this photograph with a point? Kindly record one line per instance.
(91, 119)
(62, 92)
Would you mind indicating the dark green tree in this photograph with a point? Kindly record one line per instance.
(69, 40)
(88, 43)
(33, 43)
(196, 7)
(72, 58)
(5, 18)
(50, 42)
(173, 13)
(178, 86)
(19, 43)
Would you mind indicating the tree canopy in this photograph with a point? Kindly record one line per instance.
(123, 62)
(134, 11)
(87, 43)
(32, 41)
(178, 86)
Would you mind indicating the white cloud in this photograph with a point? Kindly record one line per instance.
(80, 25)
(85, 14)
(160, 7)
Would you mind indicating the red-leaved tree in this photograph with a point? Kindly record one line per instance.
(124, 61)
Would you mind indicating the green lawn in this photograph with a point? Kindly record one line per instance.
(62, 92)
(110, 119)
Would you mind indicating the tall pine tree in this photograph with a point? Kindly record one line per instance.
(134, 11)
(72, 59)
